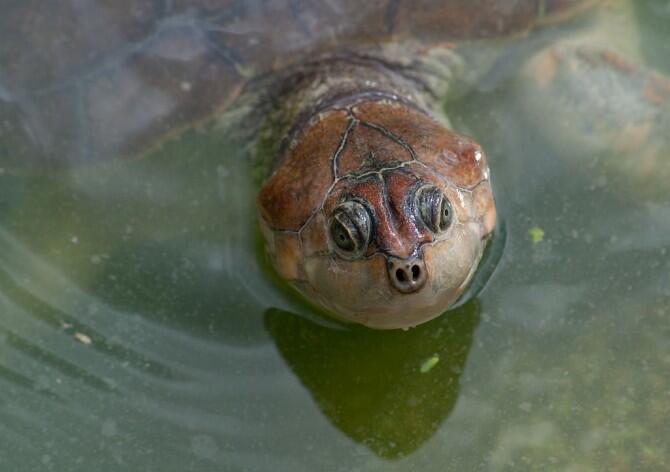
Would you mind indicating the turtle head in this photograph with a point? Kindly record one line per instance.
(378, 213)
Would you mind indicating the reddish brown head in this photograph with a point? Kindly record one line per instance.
(378, 213)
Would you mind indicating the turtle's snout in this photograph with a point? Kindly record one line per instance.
(407, 275)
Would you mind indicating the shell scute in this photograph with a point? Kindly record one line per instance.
(62, 40)
(168, 84)
(460, 19)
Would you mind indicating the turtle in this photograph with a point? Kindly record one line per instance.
(371, 205)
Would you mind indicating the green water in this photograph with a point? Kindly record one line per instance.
(140, 328)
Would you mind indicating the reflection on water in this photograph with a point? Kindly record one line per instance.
(370, 384)
(141, 329)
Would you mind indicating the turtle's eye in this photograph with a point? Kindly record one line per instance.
(434, 208)
(350, 228)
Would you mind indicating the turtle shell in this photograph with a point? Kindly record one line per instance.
(86, 81)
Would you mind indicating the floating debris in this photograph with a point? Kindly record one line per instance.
(429, 363)
(83, 338)
(536, 234)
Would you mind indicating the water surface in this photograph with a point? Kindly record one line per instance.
(141, 328)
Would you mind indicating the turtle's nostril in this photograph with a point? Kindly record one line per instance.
(407, 275)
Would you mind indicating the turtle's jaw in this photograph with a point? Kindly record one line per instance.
(380, 305)
(371, 291)
(385, 289)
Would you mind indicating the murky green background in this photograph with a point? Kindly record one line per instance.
(140, 328)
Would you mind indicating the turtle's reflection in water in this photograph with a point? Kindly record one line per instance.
(389, 390)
